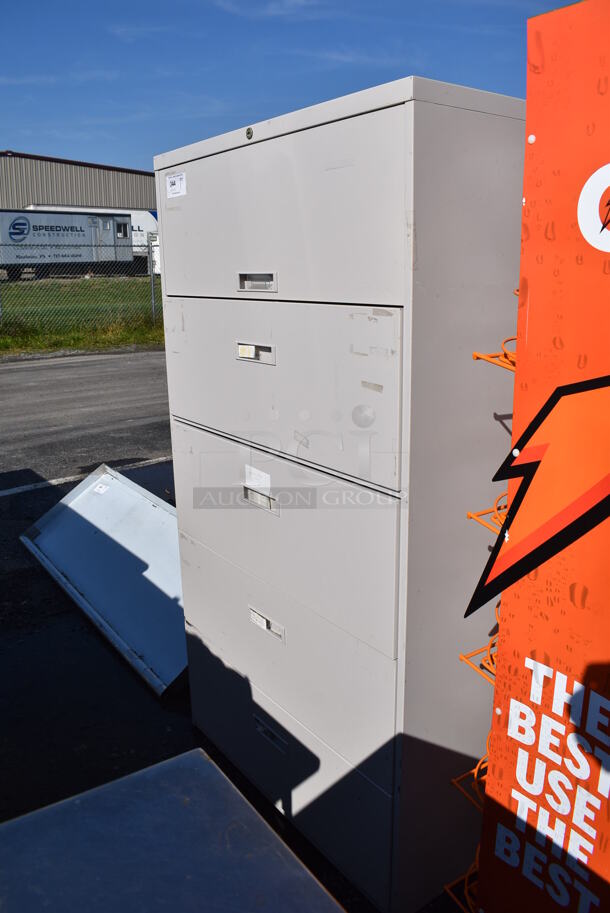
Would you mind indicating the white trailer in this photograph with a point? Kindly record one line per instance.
(43, 241)
(143, 221)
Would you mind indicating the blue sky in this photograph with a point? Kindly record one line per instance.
(117, 82)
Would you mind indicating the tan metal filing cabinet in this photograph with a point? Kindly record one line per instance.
(326, 277)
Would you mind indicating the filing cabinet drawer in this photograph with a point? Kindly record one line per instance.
(329, 544)
(285, 217)
(320, 382)
(338, 808)
(333, 684)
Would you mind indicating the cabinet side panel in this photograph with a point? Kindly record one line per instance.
(467, 204)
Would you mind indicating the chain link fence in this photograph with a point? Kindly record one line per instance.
(54, 295)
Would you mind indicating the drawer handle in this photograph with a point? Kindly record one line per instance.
(258, 499)
(267, 624)
(257, 282)
(250, 351)
(270, 734)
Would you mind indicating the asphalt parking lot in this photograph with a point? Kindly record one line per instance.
(75, 714)
(65, 415)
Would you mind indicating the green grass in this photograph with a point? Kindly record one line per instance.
(42, 315)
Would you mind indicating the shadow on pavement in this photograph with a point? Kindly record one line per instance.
(75, 716)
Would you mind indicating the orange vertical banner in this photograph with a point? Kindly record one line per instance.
(546, 821)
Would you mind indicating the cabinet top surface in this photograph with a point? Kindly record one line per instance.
(411, 88)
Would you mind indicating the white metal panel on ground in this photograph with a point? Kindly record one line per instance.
(113, 547)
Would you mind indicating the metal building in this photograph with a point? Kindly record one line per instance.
(26, 179)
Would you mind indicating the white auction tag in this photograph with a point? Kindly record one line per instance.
(175, 185)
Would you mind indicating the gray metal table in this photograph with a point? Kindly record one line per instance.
(177, 836)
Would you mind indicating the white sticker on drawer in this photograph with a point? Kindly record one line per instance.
(175, 185)
(255, 478)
